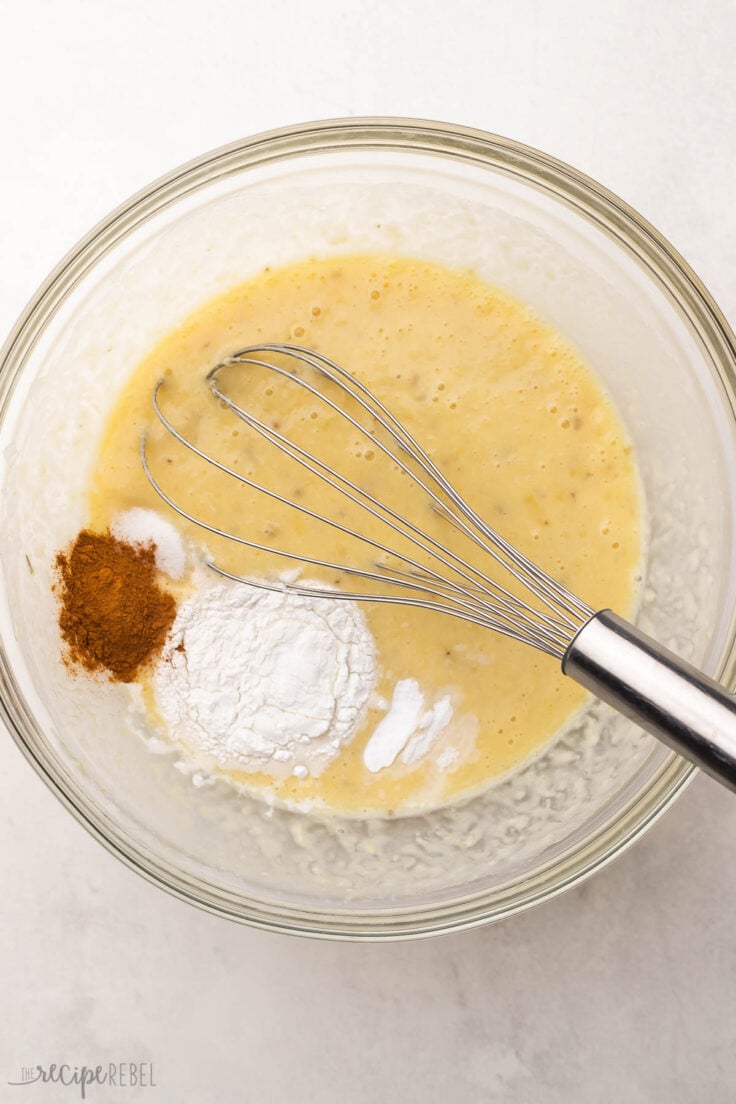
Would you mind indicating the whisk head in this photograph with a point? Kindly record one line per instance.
(448, 559)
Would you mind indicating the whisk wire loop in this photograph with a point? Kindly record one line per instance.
(369, 402)
(359, 496)
(461, 597)
(451, 584)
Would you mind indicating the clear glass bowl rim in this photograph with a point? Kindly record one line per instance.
(592, 202)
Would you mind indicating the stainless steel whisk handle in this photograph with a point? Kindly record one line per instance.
(659, 691)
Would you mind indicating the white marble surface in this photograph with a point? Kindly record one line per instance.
(623, 990)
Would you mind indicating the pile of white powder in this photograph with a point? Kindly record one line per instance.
(257, 680)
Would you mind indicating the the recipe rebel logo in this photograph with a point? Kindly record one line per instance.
(119, 1075)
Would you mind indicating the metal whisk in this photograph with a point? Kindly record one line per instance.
(600, 650)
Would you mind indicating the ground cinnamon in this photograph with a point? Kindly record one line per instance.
(113, 615)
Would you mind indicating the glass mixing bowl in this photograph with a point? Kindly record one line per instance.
(528, 224)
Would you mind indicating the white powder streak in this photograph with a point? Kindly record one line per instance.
(406, 730)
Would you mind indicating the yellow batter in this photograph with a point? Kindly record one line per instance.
(505, 408)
